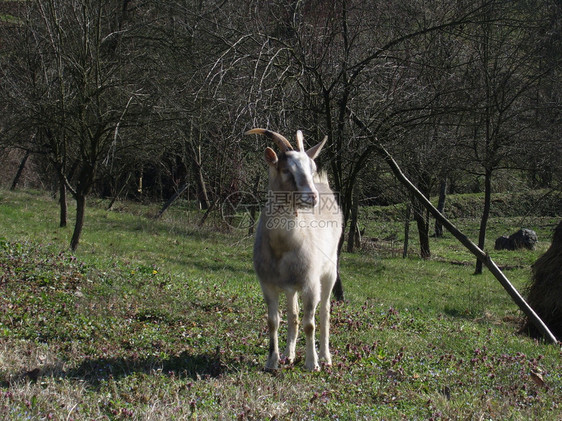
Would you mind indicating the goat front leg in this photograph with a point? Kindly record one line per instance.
(272, 300)
(310, 301)
(292, 325)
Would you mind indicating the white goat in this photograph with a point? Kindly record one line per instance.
(296, 246)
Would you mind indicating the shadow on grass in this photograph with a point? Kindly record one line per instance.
(215, 267)
(468, 314)
(95, 371)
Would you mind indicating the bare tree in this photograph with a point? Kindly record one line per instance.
(501, 70)
(114, 91)
(341, 58)
(80, 91)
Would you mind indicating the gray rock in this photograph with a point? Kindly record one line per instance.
(524, 238)
(503, 243)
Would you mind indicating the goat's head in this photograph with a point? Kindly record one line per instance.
(292, 171)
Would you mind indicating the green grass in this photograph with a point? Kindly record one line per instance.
(165, 320)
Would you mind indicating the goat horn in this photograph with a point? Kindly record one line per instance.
(279, 140)
(300, 141)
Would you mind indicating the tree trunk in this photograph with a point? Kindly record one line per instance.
(441, 207)
(85, 181)
(202, 194)
(423, 229)
(20, 171)
(63, 188)
(194, 155)
(62, 204)
(353, 228)
(406, 230)
(485, 216)
(80, 211)
(254, 206)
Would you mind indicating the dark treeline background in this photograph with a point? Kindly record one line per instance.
(142, 99)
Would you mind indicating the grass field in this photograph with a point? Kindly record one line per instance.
(165, 320)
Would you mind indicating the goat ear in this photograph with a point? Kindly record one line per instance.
(315, 150)
(270, 156)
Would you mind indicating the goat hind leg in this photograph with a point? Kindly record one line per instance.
(292, 325)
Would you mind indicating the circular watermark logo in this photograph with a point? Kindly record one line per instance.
(239, 210)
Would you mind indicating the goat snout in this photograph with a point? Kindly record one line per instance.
(307, 199)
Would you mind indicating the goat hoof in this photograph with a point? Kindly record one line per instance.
(287, 361)
(312, 367)
(271, 366)
(271, 370)
(326, 361)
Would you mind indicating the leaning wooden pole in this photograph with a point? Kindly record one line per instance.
(483, 257)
